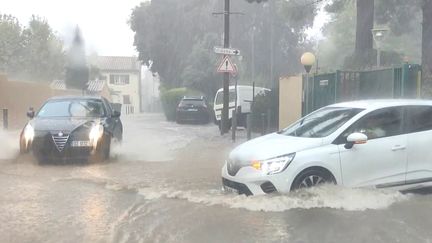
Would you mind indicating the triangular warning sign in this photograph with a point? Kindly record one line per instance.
(226, 66)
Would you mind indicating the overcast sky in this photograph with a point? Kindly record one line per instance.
(103, 23)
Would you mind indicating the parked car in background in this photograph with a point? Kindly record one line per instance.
(243, 98)
(372, 143)
(72, 128)
(193, 110)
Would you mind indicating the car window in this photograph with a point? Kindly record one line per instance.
(321, 123)
(219, 97)
(377, 124)
(72, 108)
(419, 118)
(195, 102)
(107, 106)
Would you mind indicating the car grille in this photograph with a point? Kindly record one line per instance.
(268, 187)
(241, 188)
(60, 140)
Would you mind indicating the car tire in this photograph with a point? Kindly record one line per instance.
(107, 149)
(312, 177)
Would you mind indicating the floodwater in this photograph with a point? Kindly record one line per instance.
(163, 185)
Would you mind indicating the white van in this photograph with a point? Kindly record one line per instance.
(244, 100)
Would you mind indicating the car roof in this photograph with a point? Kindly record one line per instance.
(232, 87)
(75, 97)
(193, 98)
(381, 103)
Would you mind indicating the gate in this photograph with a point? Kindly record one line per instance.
(330, 88)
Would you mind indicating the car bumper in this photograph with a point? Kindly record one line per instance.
(45, 150)
(249, 181)
(191, 116)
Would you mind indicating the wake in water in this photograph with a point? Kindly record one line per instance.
(9, 144)
(320, 197)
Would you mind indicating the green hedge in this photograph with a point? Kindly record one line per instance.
(263, 105)
(171, 98)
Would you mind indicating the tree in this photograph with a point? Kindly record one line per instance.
(33, 53)
(174, 35)
(44, 51)
(403, 18)
(200, 73)
(364, 55)
(11, 45)
(77, 72)
(427, 48)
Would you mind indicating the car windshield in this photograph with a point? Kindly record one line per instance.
(72, 108)
(321, 123)
(195, 102)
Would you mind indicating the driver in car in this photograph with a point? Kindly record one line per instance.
(372, 128)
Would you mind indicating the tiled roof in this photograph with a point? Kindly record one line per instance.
(58, 85)
(93, 85)
(117, 63)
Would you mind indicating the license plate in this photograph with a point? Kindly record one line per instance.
(80, 143)
(230, 190)
(192, 109)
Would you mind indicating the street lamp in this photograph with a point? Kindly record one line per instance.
(307, 60)
(379, 35)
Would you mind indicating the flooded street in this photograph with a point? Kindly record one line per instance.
(163, 185)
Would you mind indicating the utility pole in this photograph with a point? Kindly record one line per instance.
(225, 108)
(271, 10)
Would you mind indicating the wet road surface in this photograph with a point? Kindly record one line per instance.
(163, 185)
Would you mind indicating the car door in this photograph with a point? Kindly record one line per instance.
(113, 123)
(419, 133)
(381, 161)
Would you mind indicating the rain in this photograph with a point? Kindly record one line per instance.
(216, 121)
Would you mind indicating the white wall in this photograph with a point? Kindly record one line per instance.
(131, 89)
(149, 90)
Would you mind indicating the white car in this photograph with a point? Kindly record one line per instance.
(370, 143)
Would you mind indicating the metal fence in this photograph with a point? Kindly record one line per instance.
(330, 88)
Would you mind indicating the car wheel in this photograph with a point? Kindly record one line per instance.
(107, 149)
(312, 177)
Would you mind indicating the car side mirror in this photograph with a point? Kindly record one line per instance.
(116, 114)
(355, 138)
(30, 113)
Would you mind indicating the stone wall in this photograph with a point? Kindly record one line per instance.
(18, 96)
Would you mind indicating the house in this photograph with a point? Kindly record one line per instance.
(94, 87)
(123, 75)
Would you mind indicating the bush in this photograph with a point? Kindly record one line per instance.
(265, 103)
(171, 98)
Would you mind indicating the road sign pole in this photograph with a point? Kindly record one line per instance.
(225, 108)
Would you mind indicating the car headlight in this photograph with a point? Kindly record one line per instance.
(273, 165)
(29, 133)
(96, 132)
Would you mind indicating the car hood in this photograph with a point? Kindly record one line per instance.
(270, 146)
(66, 124)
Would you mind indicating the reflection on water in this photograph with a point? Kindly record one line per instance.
(94, 208)
(94, 216)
